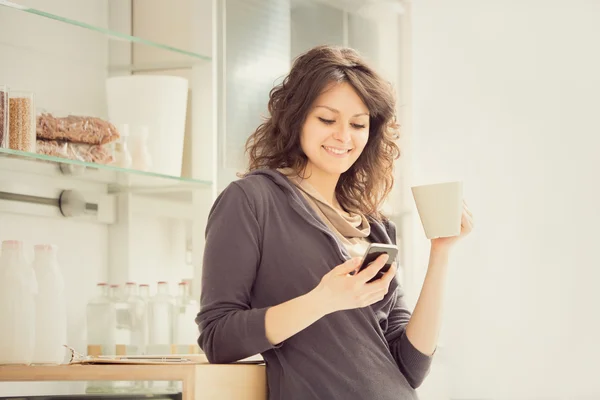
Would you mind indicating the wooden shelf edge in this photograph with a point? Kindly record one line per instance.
(111, 372)
(14, 373)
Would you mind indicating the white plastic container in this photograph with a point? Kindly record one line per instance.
(101, 330)
(138, 319)
(157, 103)
(51, 307)
(185, 330)
(160, 320)
(100, 322)
(17, 311)
(144, 292)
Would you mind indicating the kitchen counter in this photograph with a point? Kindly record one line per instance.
(201, 380)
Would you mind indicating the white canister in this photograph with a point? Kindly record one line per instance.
(157, 103)
(18, 288)
(51, 307)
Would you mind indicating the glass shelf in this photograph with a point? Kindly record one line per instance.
(118, 180)
(65, 54)
(111, 34)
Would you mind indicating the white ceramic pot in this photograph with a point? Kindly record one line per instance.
(158, 104)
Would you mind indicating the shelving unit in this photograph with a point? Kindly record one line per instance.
(99, 185)
(96, 43)
(119, 180)
(33, 184)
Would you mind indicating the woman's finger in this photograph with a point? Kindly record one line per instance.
(384, 282)
(467, 221)
(373, 269)
(466, 208)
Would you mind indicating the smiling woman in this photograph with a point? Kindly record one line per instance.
(332, 102)
(281, 273)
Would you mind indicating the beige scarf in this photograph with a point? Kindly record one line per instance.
(351, 227)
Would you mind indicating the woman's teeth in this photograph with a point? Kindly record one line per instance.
(335, 151)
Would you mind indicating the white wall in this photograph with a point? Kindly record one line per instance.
(505, 96)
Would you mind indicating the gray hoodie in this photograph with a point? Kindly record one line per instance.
(265, 245)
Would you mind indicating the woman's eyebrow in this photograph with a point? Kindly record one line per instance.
(337, 111)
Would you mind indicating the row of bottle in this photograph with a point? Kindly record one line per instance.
(33, 310)
(33, 313)
(132, 322)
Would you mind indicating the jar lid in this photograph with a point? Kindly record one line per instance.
(12, 244)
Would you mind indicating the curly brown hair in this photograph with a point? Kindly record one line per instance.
(276, 142)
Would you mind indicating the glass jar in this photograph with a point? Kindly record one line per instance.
(3, 116)
(22, 121)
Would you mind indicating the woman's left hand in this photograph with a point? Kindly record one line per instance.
(466, 226)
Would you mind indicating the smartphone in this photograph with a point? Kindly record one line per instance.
(375, 250)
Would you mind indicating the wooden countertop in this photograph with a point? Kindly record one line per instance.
(200, 380)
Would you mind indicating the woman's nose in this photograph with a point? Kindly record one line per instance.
(342, 134)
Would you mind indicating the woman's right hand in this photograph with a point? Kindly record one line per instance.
(338, 290)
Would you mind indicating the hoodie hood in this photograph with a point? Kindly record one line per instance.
(379, 232)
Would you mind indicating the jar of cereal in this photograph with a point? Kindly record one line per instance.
(21, 121)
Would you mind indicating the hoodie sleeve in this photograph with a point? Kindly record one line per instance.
(413, 364)
(230, 329)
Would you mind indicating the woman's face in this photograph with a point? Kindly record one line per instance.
(336, 130)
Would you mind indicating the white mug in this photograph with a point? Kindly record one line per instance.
(440, 207)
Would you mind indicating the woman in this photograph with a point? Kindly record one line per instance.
(283, 245)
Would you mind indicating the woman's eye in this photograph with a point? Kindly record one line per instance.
(358, 126)
(327, 121)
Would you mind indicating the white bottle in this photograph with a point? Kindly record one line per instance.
(122, 323)
(137, 319)
(18, 288)
(101, 329)
(185, 329)
(144, 291)
(101, 319)
(51, 307)
(160, 320)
